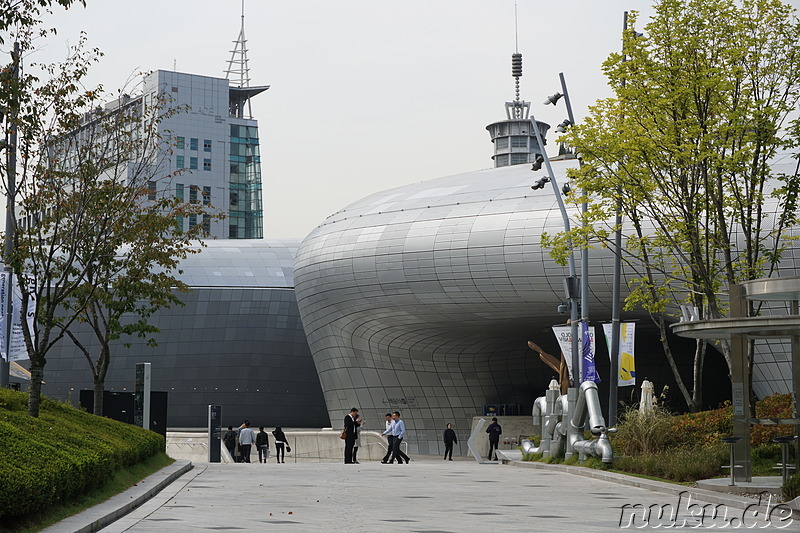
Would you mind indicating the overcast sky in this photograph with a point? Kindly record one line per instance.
(365, 94)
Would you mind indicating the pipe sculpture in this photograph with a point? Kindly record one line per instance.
(562, 419)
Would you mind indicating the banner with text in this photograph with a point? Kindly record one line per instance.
(626, 373)
(564, 337)
(17, 350)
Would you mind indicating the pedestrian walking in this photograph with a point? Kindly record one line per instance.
(494, 430)
(229, 439)
(398, 429)
(280, 444)
(247, 437)
(262, 443)
(390, 438)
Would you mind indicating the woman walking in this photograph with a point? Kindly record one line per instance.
(280, 442)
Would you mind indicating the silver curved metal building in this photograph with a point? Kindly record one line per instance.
(422, 298)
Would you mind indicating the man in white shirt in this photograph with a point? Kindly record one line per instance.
(398, 430)
(247, 437)
(389, 437)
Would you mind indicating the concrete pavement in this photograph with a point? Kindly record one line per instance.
(429, 495)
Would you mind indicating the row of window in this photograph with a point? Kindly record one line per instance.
(180, 142)
(501, 143)
(516, 159)
(180, 162)
(194, 192)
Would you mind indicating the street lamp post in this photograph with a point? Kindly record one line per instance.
(584, 298)
(569, 282)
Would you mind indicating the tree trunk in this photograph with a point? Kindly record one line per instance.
(98, 396)
(662, 328)
(35, 391)
(101, 369)
(697, 386)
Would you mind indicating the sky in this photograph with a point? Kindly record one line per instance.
(365, 95)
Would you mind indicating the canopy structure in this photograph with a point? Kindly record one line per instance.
(740, 329)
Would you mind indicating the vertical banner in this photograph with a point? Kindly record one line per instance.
(587, 349)
(564, 337)
(17, 350)
(626, 372)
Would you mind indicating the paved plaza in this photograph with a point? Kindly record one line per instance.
(429, 495)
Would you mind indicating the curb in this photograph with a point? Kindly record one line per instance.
(717, 498)
(103, 514)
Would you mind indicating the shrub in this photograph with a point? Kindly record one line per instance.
(63, 453)
(640, 433)
(791, 489)
(679, 464)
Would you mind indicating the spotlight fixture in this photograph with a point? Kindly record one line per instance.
(540, 183)
(562, 128)
(553, 99)
(566, 189)
(537, 162)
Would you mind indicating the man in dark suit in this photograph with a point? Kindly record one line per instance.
(350, 425)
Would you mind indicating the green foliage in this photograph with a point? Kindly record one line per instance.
(62, 453)
(687, 447)
(791, 489)
(643, 433)
(704, 101)
(677, 464)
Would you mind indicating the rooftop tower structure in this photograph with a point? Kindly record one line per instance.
(215, 144)
(514, 139)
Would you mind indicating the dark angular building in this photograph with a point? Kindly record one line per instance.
(238, 342)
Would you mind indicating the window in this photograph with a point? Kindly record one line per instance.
(501, 143)
(193, 189)
(234, 199)
(206, 224)
(193, 144)
(502, 160)
(180, 142)
(233, 231)
(180, 162)
(179, 196)
(192, 221)
(206, 145)
(518, 159)
(193, 163)
(151, 190)
(206, 195)
(519, 142)
(207, 165)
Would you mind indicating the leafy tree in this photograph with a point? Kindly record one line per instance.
(133, 278)
(703, 104)
(83, 170)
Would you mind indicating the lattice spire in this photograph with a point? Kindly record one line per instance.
(238, 70)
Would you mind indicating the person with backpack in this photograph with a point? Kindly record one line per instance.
(229, 439)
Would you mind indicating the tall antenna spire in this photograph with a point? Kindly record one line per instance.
(516, 66)
(237, 66)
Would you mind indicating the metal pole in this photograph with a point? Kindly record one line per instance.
(11, 176)
(615, 307)
(585, 252)
(573, 305)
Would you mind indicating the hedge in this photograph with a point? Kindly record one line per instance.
(63, 453)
